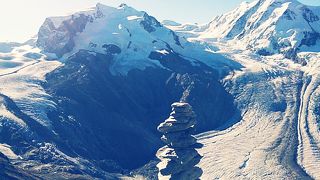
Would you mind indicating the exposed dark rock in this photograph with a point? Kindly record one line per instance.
(9, 172)
(310, 38)
(289, 15)
(129, 45)
(149, 23)
(176, 38)
(309, 16)
(112, 49)
(60, 40)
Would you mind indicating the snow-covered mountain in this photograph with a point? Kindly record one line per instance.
(94, 87)
(268, 27)
(83, 99)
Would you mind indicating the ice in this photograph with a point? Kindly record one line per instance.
(164, 52)
(22, 83)
(6, 150)
(130, 18)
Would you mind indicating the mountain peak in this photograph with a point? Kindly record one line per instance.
(106, 30)
(269, 27)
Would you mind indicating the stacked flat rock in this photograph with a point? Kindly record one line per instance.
(179, 157)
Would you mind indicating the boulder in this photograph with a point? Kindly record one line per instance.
(167, 127)
(179, 140)
(179, 155)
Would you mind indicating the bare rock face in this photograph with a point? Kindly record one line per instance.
(179, 157)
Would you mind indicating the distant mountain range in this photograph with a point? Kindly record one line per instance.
(266, 27)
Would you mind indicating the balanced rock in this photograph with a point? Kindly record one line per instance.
(172, 126)
(179, 139)
(181, 118)
(181, 107)
(169, 167)
(179, 157)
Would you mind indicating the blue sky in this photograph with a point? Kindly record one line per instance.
(20, 19)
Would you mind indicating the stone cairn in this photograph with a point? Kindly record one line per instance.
(179, 157)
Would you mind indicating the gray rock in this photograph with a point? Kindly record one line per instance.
(181, 118)
(172, 167)
(179, 155)
(177, 114)
(181, 107)
(178, 158)
(179, 141)
(167, 127)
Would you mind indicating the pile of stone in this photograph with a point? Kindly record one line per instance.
(179, 156)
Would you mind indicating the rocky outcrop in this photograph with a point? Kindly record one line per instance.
(60, 40)
(179, 156)
(10, 172)
(149, 23)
